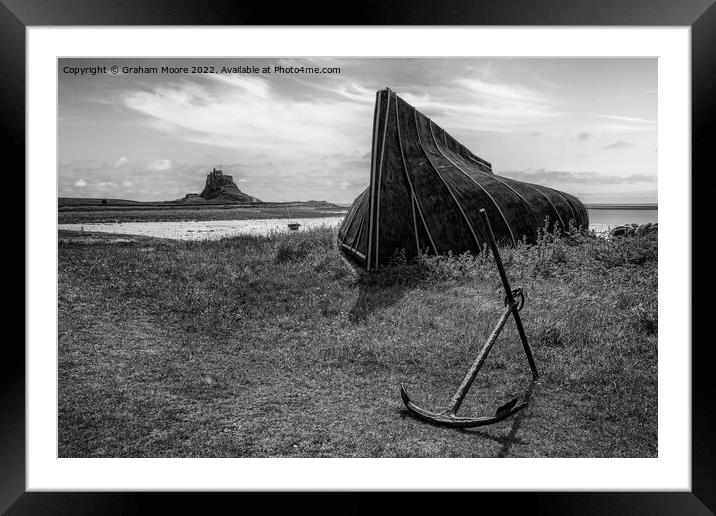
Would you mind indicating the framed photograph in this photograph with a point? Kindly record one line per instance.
(431, 251)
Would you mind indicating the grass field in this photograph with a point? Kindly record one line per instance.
(276, 346)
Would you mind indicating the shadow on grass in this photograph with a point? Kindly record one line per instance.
(511, 439)
(516, 424)
(372, 297)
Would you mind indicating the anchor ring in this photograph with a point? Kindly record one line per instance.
(517, 293)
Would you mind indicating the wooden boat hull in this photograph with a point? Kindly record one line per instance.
(426, 191)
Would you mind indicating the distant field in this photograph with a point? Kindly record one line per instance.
(173, 212)
(89, 201)
(276, 347)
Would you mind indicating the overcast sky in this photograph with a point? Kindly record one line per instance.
(587, 126)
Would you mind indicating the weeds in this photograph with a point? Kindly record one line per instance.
(553, 253)
(292, 251)
(298, 246)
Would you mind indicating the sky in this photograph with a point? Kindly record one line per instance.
(587, 126)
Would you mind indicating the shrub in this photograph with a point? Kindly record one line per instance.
(645, 319)
(292, 251)
(556, 253)
(296, 247)
(631, 250)
(551, 334)
(426, 268)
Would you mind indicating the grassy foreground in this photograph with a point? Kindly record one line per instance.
(275, 346)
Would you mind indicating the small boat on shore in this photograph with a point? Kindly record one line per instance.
(292, 226)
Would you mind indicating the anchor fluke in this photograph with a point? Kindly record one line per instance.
(510, 407)
(449, 418)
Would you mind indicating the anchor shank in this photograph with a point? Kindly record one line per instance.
(508, 292)
(525, 345)
(456, 400)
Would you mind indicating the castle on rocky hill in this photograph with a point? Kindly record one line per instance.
(221, 187)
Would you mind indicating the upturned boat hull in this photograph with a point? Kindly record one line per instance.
(426, 191)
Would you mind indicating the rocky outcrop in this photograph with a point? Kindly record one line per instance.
(222, 187)
(635, 229)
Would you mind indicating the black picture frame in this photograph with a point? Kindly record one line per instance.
(16, 15)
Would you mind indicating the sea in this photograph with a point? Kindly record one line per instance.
(600, 220)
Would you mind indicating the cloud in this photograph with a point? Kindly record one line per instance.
(627, 119)
(131, 180)
(473, 104)
(501, 91)
(278, 133)
(338, 178)
(250, 116)
(303, 136)
(87, 165)
(362, 163)
(160, 164)
(619, 144)
(560, 177)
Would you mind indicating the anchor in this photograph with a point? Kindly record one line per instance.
(514, 301)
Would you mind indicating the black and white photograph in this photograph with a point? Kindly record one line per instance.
(357, 257)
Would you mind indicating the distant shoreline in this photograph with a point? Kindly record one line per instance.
(649, 206)
(73, 203)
